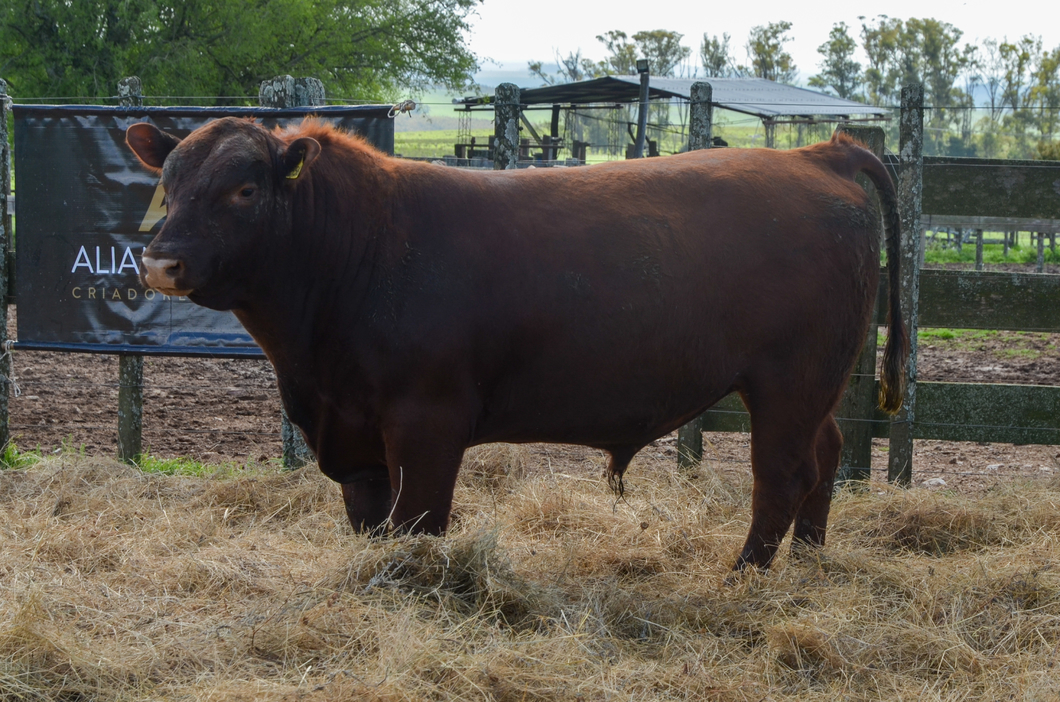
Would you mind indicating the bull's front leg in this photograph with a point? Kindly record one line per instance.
(368, 501)
(423, 454)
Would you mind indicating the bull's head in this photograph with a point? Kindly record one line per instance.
(227, 185)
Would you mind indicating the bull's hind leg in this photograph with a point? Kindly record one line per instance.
(784, 431)
(812, 518)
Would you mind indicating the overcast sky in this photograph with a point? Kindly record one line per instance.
(512, 33)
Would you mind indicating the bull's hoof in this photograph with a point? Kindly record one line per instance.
(368, 505)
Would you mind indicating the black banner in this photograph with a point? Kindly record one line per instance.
(86, 210)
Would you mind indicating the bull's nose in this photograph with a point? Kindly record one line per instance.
(163, 274)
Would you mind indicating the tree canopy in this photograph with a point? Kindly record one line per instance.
(765, 48)
(661, 47)
(360, 49)
(840, 73)
(715, 57)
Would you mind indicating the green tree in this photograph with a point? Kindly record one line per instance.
(715, 57)
(880, 40)
(765, 49)
(931, 55)
(361, 49)
(663, 50)
(1044, 98)
(1049, 150)
(661, 47)
(49, 47)
(571, 68)
(941, 61)
(992, 72)
(1017, 59)
(840, 73)
(621, 53)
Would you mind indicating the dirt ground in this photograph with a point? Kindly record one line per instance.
(219, 411)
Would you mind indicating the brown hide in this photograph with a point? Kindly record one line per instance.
(413, 310)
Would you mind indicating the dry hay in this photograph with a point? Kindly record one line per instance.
(118, 585)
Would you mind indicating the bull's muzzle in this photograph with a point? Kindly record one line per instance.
(163, 275)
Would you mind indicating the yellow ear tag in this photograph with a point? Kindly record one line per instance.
(297, 169)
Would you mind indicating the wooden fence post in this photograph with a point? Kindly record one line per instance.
(910, 199)
(1041, 253)
(700, 118)
(130, 407)
(978, 249)
(285, 91)
(858, 406)
(5, 240)
(130, 365)
(506, 113)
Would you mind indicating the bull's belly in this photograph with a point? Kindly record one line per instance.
(614, 414)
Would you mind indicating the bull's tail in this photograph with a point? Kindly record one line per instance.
(896, 351)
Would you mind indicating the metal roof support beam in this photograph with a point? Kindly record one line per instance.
(642, 113)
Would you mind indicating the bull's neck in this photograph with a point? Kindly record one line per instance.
(324, 275)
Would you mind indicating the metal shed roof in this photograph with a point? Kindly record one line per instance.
(752, 96)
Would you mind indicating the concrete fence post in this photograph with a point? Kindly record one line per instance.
(5, 242)
(910, 201)
(700, 118)
(285, 91)
(858, 406)
(130, 92)
(279, 92)
(130, 365)
(506, 113)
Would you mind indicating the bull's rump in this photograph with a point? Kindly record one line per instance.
(599, 304)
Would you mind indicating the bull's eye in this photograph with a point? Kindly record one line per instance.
(246, 192)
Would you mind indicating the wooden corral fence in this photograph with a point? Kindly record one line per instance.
(965, 189)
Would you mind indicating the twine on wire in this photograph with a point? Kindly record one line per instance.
(403, 106)
(8, 345)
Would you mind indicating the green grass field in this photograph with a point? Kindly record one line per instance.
(438, 132)
(1025, 251)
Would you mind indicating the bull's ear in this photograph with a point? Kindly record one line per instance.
(299, 155)
(150, 144)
